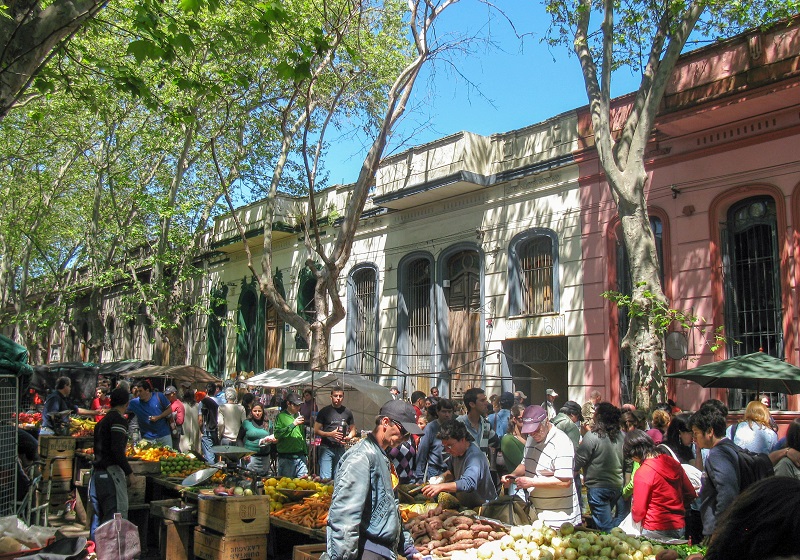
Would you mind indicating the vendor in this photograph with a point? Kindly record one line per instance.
(111, 476)
(467, 476)
(57, 403)
(152, 409)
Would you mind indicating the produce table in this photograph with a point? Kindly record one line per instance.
(316, 534)
(165, 488)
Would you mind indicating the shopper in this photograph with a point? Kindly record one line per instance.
(229, 418)
(513, 443)
(101, 401)
(207, 419)
(587, 410)
(111, 475)
(178, 414)
(549, 403)
(152, 409)
(290, 433)
(661, 493)
(600, 457)
(364, 520)
(431, 458)
(785, 466)
(335, 424)
(467, 476)
(257, 438)
(499, 420)
(754, 433)
(546, 472)
(477, 406)
(190, 436)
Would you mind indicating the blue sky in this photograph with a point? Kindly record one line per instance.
(515, 83)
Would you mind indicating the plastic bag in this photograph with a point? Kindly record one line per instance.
(117, 539)
(630, 526)
(32, 537)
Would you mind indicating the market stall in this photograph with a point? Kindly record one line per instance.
(185, 373)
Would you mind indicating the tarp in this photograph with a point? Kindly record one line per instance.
(757, 372)
(13, 357)
(363, 396)
(193, 374)
(120, 367)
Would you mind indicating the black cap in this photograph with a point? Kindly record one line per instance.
(294, 398)
(402, 412)
(571, 407)
(507, 399)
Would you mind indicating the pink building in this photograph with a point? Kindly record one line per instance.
(724, 199)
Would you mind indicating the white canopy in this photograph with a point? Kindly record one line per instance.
(365, 402)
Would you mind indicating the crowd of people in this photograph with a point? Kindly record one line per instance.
(667, 474)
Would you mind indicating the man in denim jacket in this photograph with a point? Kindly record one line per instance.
(364, 519)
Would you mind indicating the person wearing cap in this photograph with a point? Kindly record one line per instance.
(546, 470)
(520, 398)
(395, 391)
(364, 517)
(111, 475)
(549, 403)
(291, 436)
(600, 457)
(178, 413)
(468, 476)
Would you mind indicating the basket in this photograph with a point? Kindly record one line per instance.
(296, 495)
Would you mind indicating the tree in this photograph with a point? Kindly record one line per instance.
(348, 68)
(651, 36)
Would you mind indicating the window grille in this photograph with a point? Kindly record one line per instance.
(419, 316)
(536, 263)
(365, 320)
(754, 318)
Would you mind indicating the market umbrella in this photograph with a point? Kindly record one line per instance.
(758, 372)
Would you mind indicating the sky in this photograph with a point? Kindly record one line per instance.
(513, 84)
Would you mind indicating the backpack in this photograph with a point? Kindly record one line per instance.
(752, 466)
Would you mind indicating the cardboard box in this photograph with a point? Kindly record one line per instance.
(308, 551)
(61, 469)
(234, 515)
(56, 446)
(208, 546)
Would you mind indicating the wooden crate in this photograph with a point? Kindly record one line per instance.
(56, 446)
(175, 540)
(61, 469)
(308, 551)
(208, 546)
(144, 467)
(57, 502)
(234, 515)
(137, 489)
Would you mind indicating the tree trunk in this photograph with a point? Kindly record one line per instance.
(645, 346)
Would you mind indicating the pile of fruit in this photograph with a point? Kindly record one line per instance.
(181, 466)
(545, 543)
(147, 451)
(273, 486)
(29, 419)
(81, 427)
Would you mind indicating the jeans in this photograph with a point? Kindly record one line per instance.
(607, 507)
(329, 460)
(207, 441)
(108, 492)
(166, 440)
(664, 535)
(294, 466)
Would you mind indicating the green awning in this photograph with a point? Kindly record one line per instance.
(757, 372)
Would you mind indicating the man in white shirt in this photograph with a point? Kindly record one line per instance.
(546, 470)
(549, 403)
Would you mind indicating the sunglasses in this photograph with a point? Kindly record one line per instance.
(403, 431)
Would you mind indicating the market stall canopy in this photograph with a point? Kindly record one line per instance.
(82, 374)
(192, 374)
(277, 377)
(120, 367)
(758, 372)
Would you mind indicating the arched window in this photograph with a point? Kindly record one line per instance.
(217, 332)
(463, 296)
(415, 315)
(625, 286)
(751, 268)
(362, 320)
(533, 273)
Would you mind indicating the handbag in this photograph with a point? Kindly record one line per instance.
(511, 510)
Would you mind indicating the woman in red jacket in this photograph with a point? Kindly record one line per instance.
(661, 489)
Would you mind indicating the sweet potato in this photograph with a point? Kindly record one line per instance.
(461, 535)
(480, 527)
(482, 535)
(497, 535)
(460, 545)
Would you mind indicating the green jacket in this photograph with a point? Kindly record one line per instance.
(563, 423)
(291, 438)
